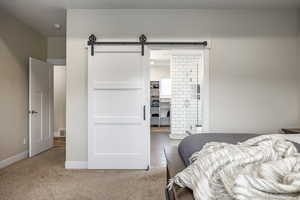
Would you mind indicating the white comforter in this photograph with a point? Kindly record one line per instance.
(262, 168)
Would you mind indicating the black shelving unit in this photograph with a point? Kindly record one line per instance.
(158, 106)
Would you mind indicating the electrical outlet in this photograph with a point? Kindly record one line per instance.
(24, 140)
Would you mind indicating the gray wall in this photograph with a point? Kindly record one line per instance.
(56, 47)
(253, 63)
(17, 43)
(299, 60)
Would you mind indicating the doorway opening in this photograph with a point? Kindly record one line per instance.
(160, 91)
(59, 105)
(160, 105)
(178, 96)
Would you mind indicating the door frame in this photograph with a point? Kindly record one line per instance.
(206, 77)
(146, 63)
(51, 106)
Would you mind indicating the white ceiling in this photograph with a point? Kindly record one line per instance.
(42, 14)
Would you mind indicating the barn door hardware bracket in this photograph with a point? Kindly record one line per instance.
(142, 42)
(91, 42)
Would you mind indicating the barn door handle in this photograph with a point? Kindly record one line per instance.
(144, 111)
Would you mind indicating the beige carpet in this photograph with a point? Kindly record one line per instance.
(43, 177)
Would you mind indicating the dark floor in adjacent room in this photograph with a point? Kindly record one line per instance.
(43, 177)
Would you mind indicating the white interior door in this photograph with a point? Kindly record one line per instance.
(40, 106)
(118, 102)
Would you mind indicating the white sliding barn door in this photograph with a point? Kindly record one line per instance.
(40, 106)
(118, 119)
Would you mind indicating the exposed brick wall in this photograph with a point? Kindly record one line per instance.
(184, 93)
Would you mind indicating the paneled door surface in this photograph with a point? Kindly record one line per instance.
(40, 106)
(118, 101)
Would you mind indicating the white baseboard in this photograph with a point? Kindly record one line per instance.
(76, 164)
(13, 159)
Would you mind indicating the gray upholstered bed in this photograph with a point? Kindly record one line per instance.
(178, 157)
